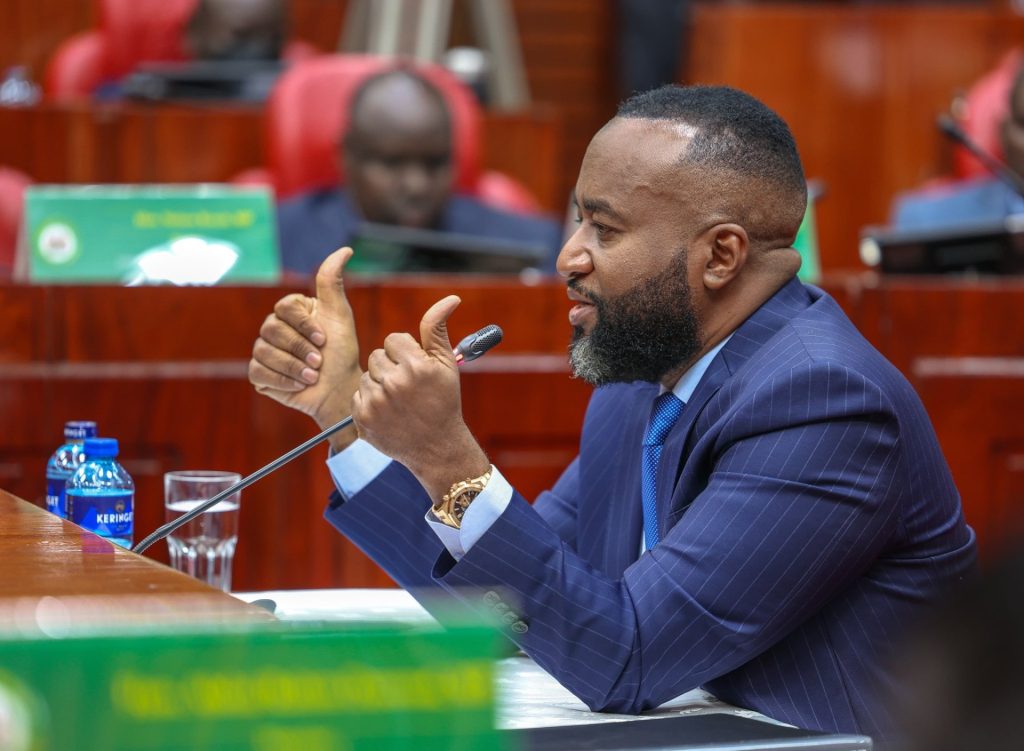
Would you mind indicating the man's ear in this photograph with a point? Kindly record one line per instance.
(728, 246)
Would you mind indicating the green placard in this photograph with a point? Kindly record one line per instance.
(181, 235)
(308, 688)
(806, 244)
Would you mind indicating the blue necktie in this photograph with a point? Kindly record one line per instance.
(666, 411)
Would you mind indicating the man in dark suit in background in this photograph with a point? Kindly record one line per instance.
(234, 30)
(759, 504)
(398, 164)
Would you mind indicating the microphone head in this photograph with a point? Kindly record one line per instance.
(949, 128)
(476, 344)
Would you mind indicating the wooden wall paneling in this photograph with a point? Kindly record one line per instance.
(23, 325)
(25, 398)
(977, 417)
(534, 318)
(569, 57)
(134, 143)
(164, 371)
(528, 147)
(163, 324)
(948, 318)
(859, 85)
(33, 29)
(1006, 527)
(961, 344)
(318, 22)
(183, 144)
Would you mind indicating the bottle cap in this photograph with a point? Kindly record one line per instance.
(100, 448)
(78, 430)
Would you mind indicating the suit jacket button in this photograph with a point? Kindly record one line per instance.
(519, 627)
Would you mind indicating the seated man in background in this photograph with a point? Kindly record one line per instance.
(399, 168)
(237, 30)
(759, 505)
(216, 31)
(976, 202)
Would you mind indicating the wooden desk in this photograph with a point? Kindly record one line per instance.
(54, 569)
(139, 143)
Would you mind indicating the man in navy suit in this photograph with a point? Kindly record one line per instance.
(398, 161)
(759, 505)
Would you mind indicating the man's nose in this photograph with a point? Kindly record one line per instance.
(415, 179)
(574, 258)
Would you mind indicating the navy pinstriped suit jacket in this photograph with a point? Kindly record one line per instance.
(806, 515)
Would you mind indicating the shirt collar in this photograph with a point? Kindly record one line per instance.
(687, 383)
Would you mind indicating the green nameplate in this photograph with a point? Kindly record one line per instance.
(308, 688)
(180, 235)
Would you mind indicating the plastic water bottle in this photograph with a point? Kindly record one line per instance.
(64, 462)
(101, 495)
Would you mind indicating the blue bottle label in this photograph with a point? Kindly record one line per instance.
(108, 514)
(55, 495)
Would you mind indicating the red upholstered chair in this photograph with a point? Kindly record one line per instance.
(130, 32)
(308, 111)
(984, 106)
(12, 190)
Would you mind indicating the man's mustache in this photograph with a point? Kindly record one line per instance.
(574, 285)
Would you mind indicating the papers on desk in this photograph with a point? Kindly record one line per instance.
(527, 695)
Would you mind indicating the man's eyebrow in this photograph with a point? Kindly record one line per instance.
(599, 206)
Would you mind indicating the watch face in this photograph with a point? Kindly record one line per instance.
(462, 503)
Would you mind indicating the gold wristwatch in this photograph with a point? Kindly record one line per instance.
(453, 505)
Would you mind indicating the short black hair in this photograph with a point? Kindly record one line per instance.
(733, 132)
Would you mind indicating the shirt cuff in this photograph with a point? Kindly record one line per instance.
(355, 467)
(481, 514)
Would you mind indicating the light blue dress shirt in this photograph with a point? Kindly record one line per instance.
(360, 463)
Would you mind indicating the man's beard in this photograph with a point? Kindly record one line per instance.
(640, 335)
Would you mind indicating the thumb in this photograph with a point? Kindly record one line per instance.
(330, 286)
(434, 328)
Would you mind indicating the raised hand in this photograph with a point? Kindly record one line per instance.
(409, 405)
(307, 354)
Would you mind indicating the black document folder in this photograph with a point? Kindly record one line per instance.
(723, 732)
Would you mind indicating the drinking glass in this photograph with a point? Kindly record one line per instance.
(205, 546)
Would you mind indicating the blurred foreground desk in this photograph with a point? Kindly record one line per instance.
(58, 578)
(542, 715)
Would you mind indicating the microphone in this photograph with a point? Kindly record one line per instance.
(997, 167)
(473, 346)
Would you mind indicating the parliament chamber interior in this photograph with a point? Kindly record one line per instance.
(164, 365)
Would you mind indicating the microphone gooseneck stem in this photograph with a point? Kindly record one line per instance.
(470, 348)
(259, 474)
(998, 168)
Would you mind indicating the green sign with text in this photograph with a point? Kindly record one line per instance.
(308, 688)
(178, 235)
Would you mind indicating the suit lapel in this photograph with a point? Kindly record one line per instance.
(746, 340)
(623, 535)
